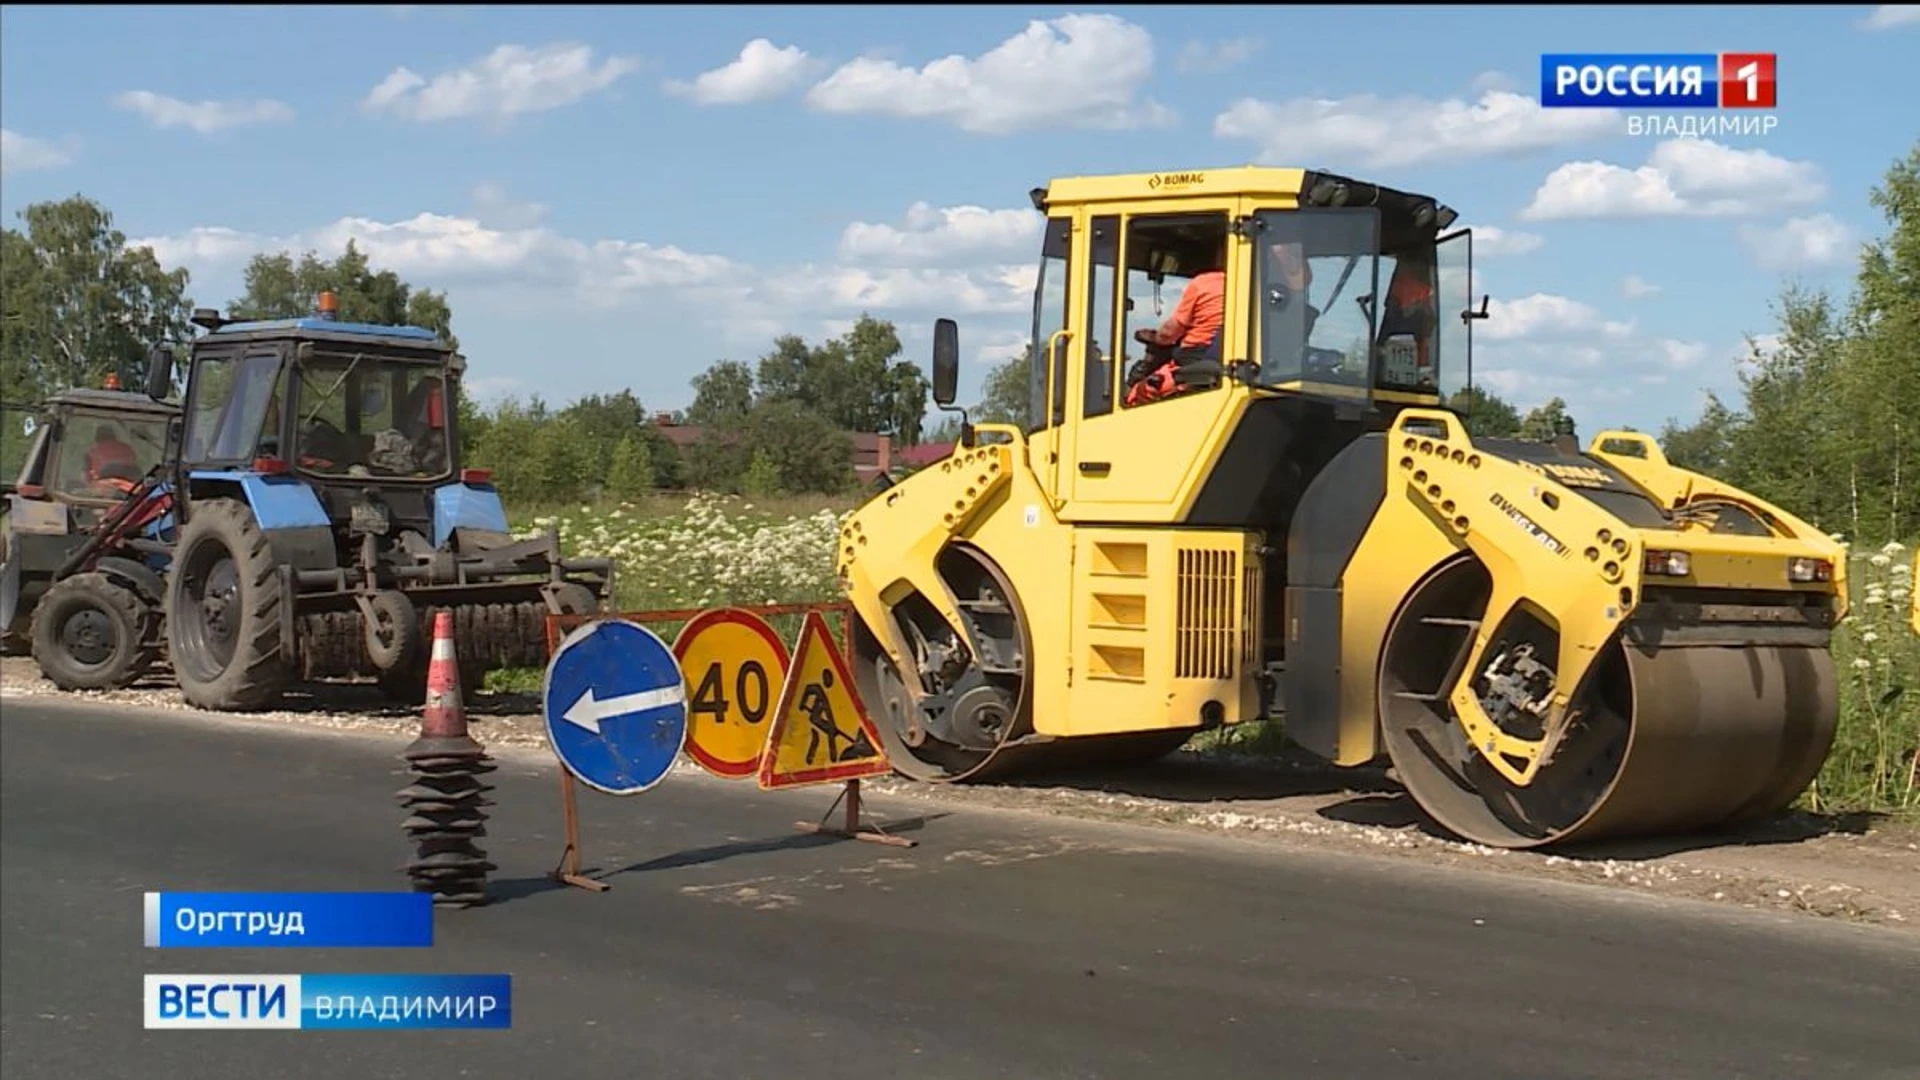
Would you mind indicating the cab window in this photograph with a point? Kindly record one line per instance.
(1165, 254)
(1049, 318)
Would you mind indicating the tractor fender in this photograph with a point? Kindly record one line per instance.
(136, 576)
(287, 509)
(469, 508)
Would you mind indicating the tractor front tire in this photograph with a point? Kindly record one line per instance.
(224, 605)
(90, 633)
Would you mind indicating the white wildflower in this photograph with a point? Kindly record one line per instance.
(1881, 560)
(1863, 664)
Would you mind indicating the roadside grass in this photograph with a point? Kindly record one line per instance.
(678, 552)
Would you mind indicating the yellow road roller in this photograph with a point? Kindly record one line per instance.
(1239, 493)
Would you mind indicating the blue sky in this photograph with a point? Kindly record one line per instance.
(621, 196)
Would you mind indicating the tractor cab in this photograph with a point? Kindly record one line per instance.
(70, 463)
(345, 408)
(83, 449)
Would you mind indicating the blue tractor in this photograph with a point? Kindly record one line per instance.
(325, 518)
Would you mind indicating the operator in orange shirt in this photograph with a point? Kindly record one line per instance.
(1191, 333)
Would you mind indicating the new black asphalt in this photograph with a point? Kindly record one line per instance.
(1005, 945)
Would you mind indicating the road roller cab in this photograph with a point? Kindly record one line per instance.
(1546, 642)
(326, 516)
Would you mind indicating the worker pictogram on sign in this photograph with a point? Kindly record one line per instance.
(821, 734)
(735, 665)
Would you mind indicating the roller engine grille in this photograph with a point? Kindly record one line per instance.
(1207, 637)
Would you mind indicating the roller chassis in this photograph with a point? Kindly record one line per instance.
(1549, 644)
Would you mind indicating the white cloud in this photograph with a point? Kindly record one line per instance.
(509, 81)
(1682, 177)
(1493, 242)
(1214, 56)
(1375, 132)
(494, 207)
(24, 153)
(1599, 381)
(1492, 80)
(1546, 316)
(205, 117)
(1888, 16)
(538, 266)
(1635, 287)
(942, 235)
(1800, 243)
(1077, 71)
(760, 73)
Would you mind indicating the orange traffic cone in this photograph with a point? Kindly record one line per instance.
(446, 799)
(446, 715)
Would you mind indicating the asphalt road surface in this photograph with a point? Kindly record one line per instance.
(1005, 945)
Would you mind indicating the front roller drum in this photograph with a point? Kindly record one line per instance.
(1666, 741)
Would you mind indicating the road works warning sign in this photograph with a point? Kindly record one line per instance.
(821, 734)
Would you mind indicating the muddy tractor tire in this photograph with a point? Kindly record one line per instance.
(92, 633)
(224, 606)
(15, 625)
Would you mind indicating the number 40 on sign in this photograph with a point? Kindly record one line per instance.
(735, 665)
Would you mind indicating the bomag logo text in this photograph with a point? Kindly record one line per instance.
(1573, 475)
(1176, 179)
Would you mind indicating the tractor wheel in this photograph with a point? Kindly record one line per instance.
(224, 606)
(406, 683)
(14, 629)
(394, 635)
(90, 633)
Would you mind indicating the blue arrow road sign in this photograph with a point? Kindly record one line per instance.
(615, 706)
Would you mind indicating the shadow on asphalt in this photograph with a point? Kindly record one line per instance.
(1375, 799)
(1396, 810)
(508, 890)
(1184, 777)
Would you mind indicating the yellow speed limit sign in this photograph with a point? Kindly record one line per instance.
(734, 665)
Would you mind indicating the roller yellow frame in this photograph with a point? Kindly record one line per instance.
(1548, 642)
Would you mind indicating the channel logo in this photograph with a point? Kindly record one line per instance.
(1659, 80)
(330, 1001)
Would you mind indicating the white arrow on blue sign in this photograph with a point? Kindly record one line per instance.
(615, 706)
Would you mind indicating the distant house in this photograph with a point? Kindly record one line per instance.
(873, 455)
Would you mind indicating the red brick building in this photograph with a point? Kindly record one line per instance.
(872, 454)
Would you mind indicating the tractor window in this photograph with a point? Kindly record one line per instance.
(232, 399)
(1049, 318)
(104, 455)
(1164, 254)
(361, 415)
(18, 429)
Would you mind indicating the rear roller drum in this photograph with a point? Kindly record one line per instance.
(1661, 742)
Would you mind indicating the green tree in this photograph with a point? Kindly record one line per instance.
(631, 473)
(762, 478)
(1544, 422)
(279, 287)
(722, 394)
(1782, 449)
(1485, 414)
(855, 381)
(1705, 445)
(76, 303)
(1004, 395)
(813, 454)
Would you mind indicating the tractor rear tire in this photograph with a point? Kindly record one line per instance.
(91, 633)
(16, 631)
(224, 606)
